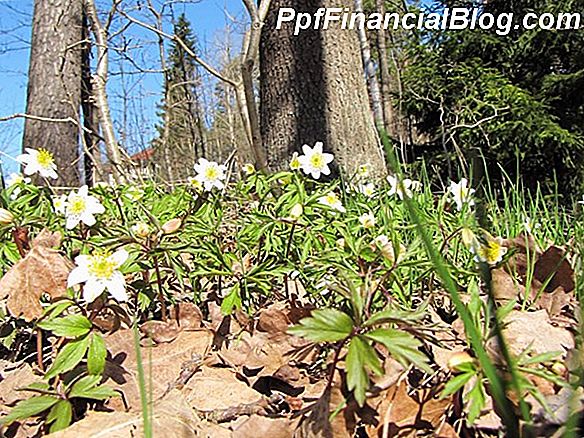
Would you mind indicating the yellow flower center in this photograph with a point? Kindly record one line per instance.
(101, 267)
(77, 205)
(211, 173)
(45, 158)
(331, 199)
(317, 161)
(490, 252)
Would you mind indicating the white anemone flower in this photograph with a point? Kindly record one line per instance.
(14, 180)
(399, 188)
(367, 220)
(248, 169)
(39, 161)
(461, 193)
(60, 204)
(384, 245)
(195, 184)
(490, 251)
(332, 200)
(210, 174)
(529, 225)
(582, 201)
(81, 207)
(295, 162)
(364, 170)
(367, 189)
(100, 272)
(314, 161)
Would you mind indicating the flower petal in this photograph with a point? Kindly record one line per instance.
(77, 275)
(119, 257)
(92, 290)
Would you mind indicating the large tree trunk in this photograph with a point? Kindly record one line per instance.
(54, 84)
(313, 89)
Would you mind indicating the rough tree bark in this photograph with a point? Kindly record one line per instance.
(54, 84)
(313, 89)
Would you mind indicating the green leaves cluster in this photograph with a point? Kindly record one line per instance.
(81, 343)
(334, 326)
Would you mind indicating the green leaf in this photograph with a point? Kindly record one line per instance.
(68, 357)
(402, 346)
(325, 325)
(455, 384)
(101, 392)
(82, 385)
(96, 354)
(56, 308)
(70, 326)
(231, 301)
(60, 415)
(394, 315)
(477, 399)
(29, 407)
(361, 355)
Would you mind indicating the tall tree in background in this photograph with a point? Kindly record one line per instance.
(312, 89)
(182, 134)
(54, 84)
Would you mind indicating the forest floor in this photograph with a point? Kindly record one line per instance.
(245, 315)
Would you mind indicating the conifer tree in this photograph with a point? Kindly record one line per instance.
(181, 135)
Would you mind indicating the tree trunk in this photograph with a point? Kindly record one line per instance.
(370, 73)
(54, 84)
(313, 89)
(388, 111)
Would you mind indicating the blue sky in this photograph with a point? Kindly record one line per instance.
(208, 19)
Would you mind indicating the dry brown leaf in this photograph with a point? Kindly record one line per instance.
(12, 379)
(160, 331)
(162, 363)
(217, 388)
(273, 321)
(553, 263)
(259, 426)
(43, 270)
(316, 424)
(532, 330)
(555, 302)
(504, 286)
(520, 261)
(256, 351)
(187, 315)
(403, 415)
(171, 417)
(445, 431)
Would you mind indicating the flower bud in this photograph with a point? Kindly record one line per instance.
(6, 218)
(468, 237)
(458, 359)
(171, 226)
(559, 369)
(141, 229)
(296, 212)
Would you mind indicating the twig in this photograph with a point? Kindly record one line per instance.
(48, 119)
(264, 406)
